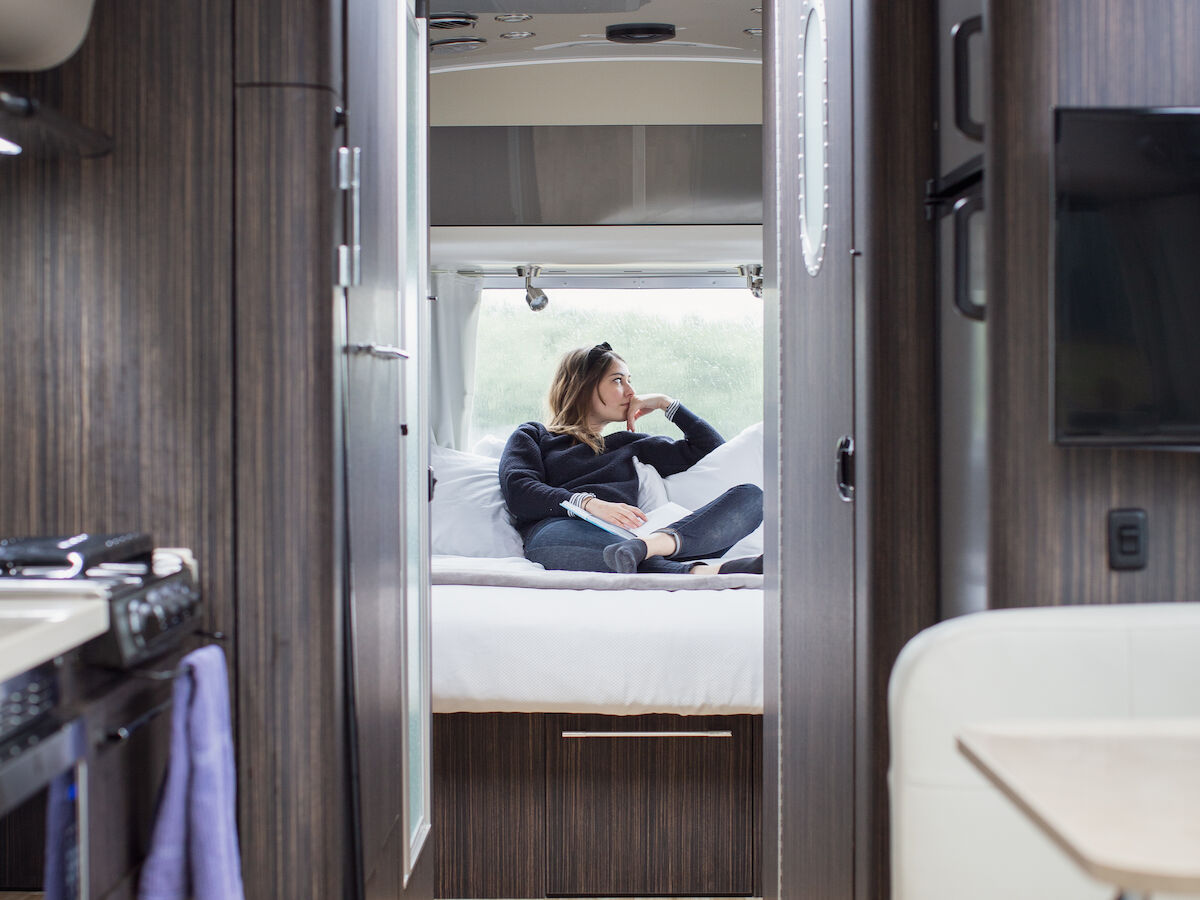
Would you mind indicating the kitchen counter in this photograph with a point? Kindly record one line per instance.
(39, 623)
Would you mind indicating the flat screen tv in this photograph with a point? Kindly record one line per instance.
(1126, 277)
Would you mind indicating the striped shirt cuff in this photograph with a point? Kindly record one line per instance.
(669, 412)
(579, 499)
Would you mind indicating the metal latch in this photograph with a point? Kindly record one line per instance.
(844, 467)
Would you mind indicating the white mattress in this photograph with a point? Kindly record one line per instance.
(619, 652)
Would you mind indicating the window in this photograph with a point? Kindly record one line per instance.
(701, 346)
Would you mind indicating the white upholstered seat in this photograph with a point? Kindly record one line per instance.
(954, 836)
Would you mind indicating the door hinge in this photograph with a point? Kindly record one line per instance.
(350, 180)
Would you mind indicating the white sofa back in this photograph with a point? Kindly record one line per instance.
(954, 836)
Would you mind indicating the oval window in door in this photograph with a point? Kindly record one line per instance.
(814, 136)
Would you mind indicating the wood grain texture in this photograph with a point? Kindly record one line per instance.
(117, 297)
(291, 714)
(647, 816)
(288, 42)
(1050, 504)
(489, 797)
(117, 303)
(896, 516)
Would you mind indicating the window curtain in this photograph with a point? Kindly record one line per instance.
(454, 323)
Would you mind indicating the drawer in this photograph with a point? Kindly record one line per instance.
(657, 804)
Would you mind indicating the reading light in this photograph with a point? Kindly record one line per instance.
(535, 297)
(754, 279)
(8, 148)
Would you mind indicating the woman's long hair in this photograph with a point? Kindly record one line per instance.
(571, 392)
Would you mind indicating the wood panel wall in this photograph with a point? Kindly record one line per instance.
(168, 366)
(291, 716)
(1050, 504)
(896, 518)
(288, 43)
(116, 296)
(293, 805)
(115, 306)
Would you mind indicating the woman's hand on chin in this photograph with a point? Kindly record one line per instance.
(641, 404)
(617, 513)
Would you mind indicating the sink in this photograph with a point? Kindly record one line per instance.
(34, 629)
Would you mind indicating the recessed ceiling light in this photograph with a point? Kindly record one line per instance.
(517, 35)
(639, 32)
(514, 18)
(753, 32)
(456, 45)
(8, 148)
(452, 20)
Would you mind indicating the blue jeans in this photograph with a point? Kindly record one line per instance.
(709, 532)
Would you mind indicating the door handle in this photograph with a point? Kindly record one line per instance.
(844, 468)
(647, 734)
(379, 351)
(963, 210)
(961, 35)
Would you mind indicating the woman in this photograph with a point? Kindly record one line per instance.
(570, 460)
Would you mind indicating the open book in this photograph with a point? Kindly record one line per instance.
(657, 519)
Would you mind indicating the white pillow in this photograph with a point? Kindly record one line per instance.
(652, 490)
(468, 516)
(737, 461)
(489, 445)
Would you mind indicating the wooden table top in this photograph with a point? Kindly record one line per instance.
(1120, 796)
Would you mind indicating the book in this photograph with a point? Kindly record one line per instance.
(657, 519)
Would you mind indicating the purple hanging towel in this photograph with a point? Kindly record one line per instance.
(194, 847)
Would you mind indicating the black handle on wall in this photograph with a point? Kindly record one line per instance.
(961, 35)
(966, 207)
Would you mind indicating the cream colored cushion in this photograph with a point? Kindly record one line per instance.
(953, 835)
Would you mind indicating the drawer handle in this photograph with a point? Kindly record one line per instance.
(647, 734)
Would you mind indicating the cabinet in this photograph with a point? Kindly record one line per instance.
(540, 804)
(669, 807)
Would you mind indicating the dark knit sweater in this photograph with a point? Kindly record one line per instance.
(540, 469)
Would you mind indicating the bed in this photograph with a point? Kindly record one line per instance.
(595, 734)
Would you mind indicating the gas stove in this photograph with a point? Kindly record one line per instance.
(152, 595)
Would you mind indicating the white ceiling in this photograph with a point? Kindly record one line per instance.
(705, 29)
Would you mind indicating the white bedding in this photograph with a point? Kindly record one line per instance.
(620, 652)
